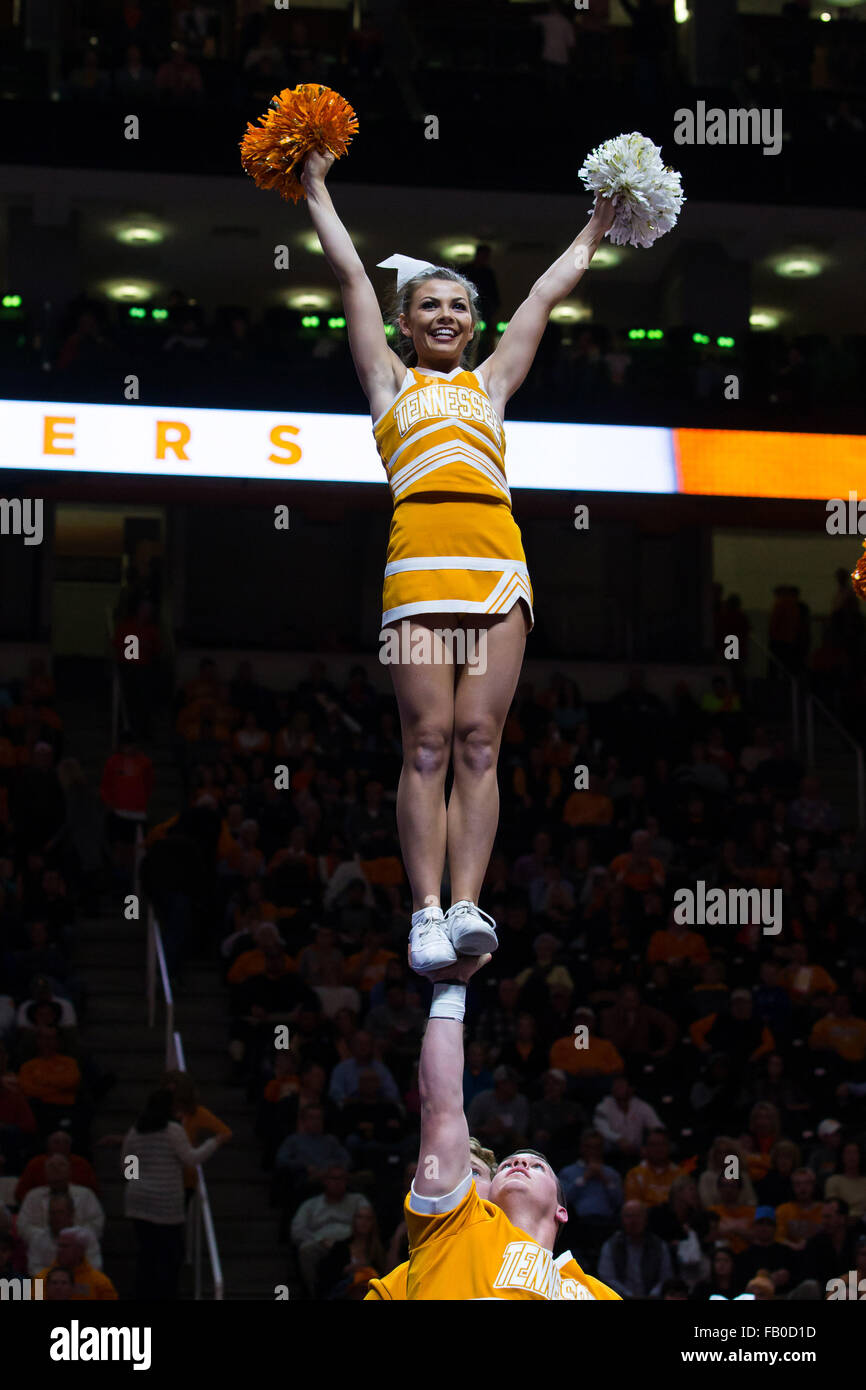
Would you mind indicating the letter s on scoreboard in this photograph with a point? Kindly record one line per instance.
(276, 438)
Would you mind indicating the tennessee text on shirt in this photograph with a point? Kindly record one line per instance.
(526, 1265)
(459, 402)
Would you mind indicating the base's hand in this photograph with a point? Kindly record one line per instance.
(463, 969)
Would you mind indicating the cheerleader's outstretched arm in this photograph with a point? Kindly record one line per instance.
(374, 360)
(508, 365)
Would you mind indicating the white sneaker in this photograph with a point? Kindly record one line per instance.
(430, 946)
(472, 932)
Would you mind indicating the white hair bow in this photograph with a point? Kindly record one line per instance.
(405, 266)
(739, 1298)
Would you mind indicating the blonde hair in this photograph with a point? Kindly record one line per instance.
(400, 302)
(485, 1156)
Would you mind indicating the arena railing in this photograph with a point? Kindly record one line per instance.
(200, 1217)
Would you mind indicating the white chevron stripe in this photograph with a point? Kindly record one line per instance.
(439, 457)
(441, 425)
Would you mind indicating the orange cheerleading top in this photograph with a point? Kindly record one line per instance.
(454, 545)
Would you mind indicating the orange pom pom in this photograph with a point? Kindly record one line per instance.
(300, 119)
(859, 575)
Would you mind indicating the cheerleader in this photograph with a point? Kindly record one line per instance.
(455, 559)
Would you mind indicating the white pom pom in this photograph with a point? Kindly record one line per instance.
(647, 194)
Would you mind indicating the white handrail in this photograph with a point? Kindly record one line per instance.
(201, 1216)
(200, 1209)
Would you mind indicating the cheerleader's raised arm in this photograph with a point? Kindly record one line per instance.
(379, 368)
(508, 365)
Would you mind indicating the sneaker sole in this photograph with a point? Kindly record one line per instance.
(475, 941)
(431, 968)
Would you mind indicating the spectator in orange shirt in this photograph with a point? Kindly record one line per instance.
(88, 1284)
(802, 980)
(798, 1220)
(736, 1217)
(367, 967)
(839, 1032)
(268, 949)
(198, 1122)
(638, 870)
(80, 1171)
(50, 1081)
(588, 807)
(597, 1058)
(650, 1180)
(676, 945)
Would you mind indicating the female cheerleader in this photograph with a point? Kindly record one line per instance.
(455, 557)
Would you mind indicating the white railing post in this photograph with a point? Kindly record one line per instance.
(151, 968)
(199, 1225)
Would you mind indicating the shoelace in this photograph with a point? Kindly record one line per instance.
(424, 928)
(466, 902)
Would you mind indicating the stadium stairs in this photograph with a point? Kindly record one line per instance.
(109, 959)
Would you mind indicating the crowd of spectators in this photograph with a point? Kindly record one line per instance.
(699, 1089)
(202, 354)
(222, 50)
(64, 845)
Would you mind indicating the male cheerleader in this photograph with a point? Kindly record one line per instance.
(460, 1245)
(392, 1288)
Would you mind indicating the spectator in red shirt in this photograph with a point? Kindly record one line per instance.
(125, 788)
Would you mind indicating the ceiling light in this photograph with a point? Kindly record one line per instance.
(139, 234)
(129, 291)
(568, 312)
(457, 250)
(309, 299)
(765, 320)
(605, 257)
(799, 267)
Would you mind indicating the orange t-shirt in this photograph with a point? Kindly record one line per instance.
(664, 946)
(253, 963)
(640, 880)
(53, 1080)
(393, 1287)
(845, 1036)
(796, 1222)
(599, 1056)
(588, 808)
(475, 1253)
(646, 1184)
(737, 1242)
